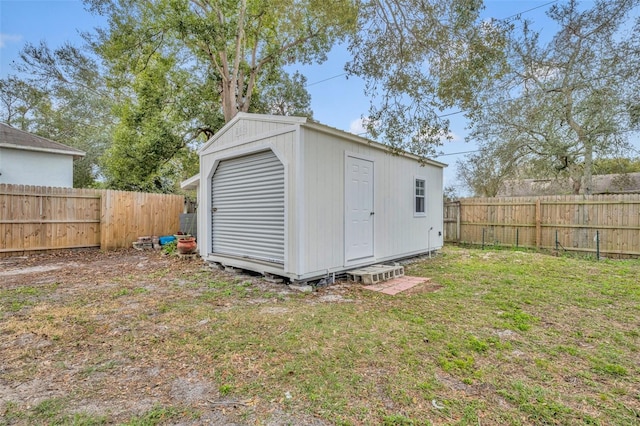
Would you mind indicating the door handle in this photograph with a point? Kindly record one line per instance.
(372, 213)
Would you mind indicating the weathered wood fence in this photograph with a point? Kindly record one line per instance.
(608, 224)
(35, 218)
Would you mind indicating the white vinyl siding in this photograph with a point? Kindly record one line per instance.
(247, 208)
(397, 232)
(23, 167)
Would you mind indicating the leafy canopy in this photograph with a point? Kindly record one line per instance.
(564, 102)
(419, 58)
(239, 44)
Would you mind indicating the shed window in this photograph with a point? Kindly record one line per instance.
(419, 197)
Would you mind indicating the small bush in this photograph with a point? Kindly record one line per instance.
(170, 247)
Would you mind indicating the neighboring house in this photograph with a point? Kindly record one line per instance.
(294, 198)
(28, 159)
(602, 184)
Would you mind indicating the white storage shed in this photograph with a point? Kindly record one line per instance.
(290, 197)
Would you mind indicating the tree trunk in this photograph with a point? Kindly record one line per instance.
(588, 168)
(228, 100)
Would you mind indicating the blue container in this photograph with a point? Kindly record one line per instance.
(166, 239)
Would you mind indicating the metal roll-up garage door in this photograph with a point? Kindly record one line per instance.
(247, 207)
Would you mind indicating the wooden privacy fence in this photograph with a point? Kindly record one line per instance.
(34, 218)
(608, 224)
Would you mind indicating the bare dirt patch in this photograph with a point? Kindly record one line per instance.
(84, 332)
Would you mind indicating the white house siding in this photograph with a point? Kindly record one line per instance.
(397, 232)
(25, 167)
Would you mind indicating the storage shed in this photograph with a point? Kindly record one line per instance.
(290, 197)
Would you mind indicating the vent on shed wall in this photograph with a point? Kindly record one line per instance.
(247, 203)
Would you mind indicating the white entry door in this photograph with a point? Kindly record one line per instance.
(359, 212)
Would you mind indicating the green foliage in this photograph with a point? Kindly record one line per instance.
(170, 248)
(618, 165)
(238, 45)
(346, 354)
(539, 404)
(20, 102)
(15, 299)
(174, 71)
(285, 96)
(484, 173)
(477, 345)
(146, 139)
(397, 420)
(450, 193)
(48, 412)
(225, 389)
(518, 319)
(156, 416)
(608, 368)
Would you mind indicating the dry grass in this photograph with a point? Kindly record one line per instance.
(497, 338)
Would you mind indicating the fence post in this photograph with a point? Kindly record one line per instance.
(538, 224)
(597, 245)
(459, 213)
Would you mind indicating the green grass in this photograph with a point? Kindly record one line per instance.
(160, 415)
(508, 337)
(48, 412)
(15, 299)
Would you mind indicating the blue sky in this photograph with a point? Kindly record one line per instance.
(336, 101)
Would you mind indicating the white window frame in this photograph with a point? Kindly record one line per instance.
(415, 196)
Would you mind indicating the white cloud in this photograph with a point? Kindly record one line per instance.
(452, 138)
(357, 127)
(9, 38)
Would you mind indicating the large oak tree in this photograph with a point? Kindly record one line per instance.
(563, 102)
(240, 44)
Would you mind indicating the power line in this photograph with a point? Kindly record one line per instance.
(457, 112)
(529, 10)
(456, 153)
(506, 19)
(630, 148)
(326, 79)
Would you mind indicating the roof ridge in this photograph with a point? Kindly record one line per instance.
(19, 138)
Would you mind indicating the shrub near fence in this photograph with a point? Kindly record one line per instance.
(609, 224)
(34, 218)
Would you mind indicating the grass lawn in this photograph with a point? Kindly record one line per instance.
(498, 337)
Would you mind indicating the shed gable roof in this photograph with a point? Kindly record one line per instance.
(11, 137)
(245, 116)
(304, 122)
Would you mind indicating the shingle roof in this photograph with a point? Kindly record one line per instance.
(11, 137)
(600, 184)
